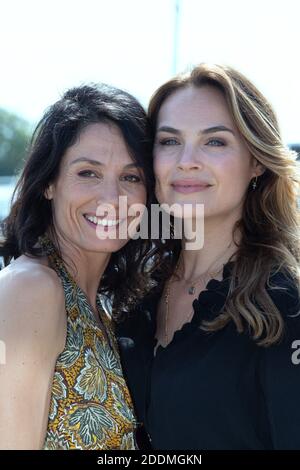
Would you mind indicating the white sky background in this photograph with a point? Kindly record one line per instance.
(47, 46)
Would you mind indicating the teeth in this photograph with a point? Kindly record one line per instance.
(106, 222)
(103, 222)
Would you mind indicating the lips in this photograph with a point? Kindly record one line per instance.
(187, 186)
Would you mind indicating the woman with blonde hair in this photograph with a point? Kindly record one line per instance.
(219, 339)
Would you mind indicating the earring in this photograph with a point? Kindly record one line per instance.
(254, 183)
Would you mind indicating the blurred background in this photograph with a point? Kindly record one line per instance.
(49, 46)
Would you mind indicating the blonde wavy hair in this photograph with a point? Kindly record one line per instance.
(269, 226)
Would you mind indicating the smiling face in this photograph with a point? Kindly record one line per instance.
(95, 171)
(199, 155)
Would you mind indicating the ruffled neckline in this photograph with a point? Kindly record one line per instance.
(206, 307)
(211, 300)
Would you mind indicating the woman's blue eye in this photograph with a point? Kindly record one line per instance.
(169, 141)
(87, 173)
(215, 143)
(132, 178)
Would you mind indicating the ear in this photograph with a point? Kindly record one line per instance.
(258, 168)
(49, 192)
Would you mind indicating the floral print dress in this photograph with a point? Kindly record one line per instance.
(90, 406)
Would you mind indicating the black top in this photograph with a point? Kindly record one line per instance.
(216, 390)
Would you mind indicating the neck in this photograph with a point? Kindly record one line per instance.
(218, 247)
(86, 268)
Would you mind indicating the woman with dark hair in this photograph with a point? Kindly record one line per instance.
(219, 343)
(62, 385)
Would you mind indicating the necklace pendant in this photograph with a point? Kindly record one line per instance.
(192, 290)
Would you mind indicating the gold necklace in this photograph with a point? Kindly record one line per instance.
(205, 277)
(167, 298)
(191, 290)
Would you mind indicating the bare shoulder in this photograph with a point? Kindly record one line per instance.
(29, 276)
(32, 300)
(33, 330)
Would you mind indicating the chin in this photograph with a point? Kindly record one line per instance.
(184, 209)
(108, 246)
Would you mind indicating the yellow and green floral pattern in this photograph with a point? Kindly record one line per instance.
(90, 405)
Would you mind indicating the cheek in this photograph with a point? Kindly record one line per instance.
(162, 176)
(161, 171)
(234, 181)
(243, 177)
(80, 194)
(68, 198)
(161, 166)
(137, 195)
(234, 171)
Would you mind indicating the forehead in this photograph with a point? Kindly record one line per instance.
(100, 133)
(205, 105)
(99, 141)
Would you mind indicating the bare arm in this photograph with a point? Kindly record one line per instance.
(33, 328)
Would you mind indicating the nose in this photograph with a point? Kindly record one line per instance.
(108, 193)
(189, 159)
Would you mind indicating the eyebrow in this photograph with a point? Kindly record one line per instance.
(209, 130)
(97, 163)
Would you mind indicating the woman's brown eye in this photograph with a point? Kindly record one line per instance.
(87, 173)
(132, 178)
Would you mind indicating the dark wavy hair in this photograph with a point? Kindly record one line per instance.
(126, 277)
